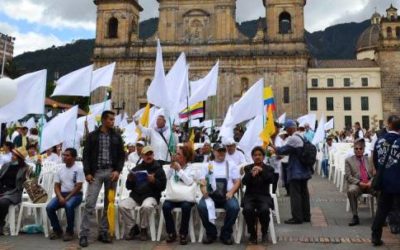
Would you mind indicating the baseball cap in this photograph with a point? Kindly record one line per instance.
(219, 147)
(229, 142)
(290, 124)
(147, 149)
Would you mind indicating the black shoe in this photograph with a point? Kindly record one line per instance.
(208, 240)
(1, 230)
(56, 235)
(293, 222)
(68, 236)
(264, 238)
(376, 238)
(355, 221)
(133, 233)
(183, 240)
(253, 239)
(143, 234)
(227, 241)
(171, 238)
(376, 242)
(83, 242)
(104, 237)
(307, 220)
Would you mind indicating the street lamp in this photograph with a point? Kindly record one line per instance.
(118, 107)
(6, 39)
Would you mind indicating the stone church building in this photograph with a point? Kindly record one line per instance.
(206, 31)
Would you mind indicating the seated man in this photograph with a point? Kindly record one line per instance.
(358, 174)
(146, 182)
(67, 186)
(220, 183)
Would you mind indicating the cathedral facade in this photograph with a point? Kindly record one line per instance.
(207, 31)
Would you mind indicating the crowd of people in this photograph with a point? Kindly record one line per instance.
(225, 172)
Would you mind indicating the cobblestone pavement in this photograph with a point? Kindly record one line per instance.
(328, 229)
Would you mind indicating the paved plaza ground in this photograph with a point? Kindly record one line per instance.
(327, 230)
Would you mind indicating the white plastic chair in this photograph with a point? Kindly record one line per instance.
(275, 211)
(242, 228)
(46, 181)
(371, 202)
(11, 219)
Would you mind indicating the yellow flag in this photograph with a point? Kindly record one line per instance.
(269, 129)
(191, 138)
(144, 119)
(111, 212)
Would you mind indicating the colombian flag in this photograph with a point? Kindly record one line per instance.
(269, 100)
(196, 111)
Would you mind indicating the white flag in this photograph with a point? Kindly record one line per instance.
(282, 119)
(50, 114)
(130, 135)
(310, 119)
(60, 129)
(76, 83)
(157, 93)
(320, 133)
(329, 124)
(207, 123)
(30, 97)
(177, 81)
(194, 123)
(103, 76)
(249, 105)
(251, 137)
(30, 123)
(204, 88)
(226, 130)
(124, 122)
(99, 108)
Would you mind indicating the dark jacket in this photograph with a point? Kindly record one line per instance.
(296, 170)
(391, 174)
(14, 195)
(91, 152)
(18, 141)
(258, 185)
(140, 192)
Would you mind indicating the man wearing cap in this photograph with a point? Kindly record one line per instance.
(160, 138)
(220, 182)
(233, 154)
(298, 175)
(103, 160)
(136, 156)
(22, 139)
(146, 182)
(12, 177)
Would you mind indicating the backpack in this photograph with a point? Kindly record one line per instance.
(308, 154)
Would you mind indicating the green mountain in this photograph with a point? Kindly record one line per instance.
(335, 42)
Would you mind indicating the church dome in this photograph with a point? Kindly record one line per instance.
(369, 39)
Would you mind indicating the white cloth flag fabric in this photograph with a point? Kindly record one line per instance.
(102, 77)
(30, 123)
(309, 118)
(80, 125)
(226, 130)
(330, 124)
(177, 81)
(124, 121)
(207, 124)
(76, 83)
(130, 135)
(194, 123)
(282, 119)
(30, 97)
(60, 129)
(251, 137)
(50, 114)
(204, 88)
(320, 133)
(98, 108)
(157, 94)
(249, 105)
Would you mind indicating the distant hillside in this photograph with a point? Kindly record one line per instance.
(336, 42)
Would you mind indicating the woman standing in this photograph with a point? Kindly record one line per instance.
(12, 177)
(180, 171)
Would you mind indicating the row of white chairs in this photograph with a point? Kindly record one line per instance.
(46, 180)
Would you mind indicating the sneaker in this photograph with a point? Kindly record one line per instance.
(133, 233)
(83, 241)
(68, 236)
(143, 234)
(56, 235)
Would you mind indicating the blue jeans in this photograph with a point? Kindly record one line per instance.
(69, 206)
(325, 167)
(167, 208)
(232, 209)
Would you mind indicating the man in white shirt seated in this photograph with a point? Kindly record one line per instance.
(136, 156)
(233, 154)
(160, 138)
(68, 183)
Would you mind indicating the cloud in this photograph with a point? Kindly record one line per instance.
(58, 14)
(30, 41)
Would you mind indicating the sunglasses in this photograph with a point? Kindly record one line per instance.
(358, 148)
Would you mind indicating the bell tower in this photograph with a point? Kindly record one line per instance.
(117, 22)
(285, 20)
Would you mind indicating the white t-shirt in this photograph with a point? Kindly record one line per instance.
(53, 157)
(5, 158)
(219, 171)
(133, 157)
(237, 157)
(68, 177)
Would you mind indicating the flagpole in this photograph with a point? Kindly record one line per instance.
(42, 121)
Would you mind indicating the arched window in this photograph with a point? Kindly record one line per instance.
(389, 32)
(398, 32)
(113, 28)
(244, 82)
(147, 83)
(285, 23)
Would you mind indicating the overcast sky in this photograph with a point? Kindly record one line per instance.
(39, 24)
